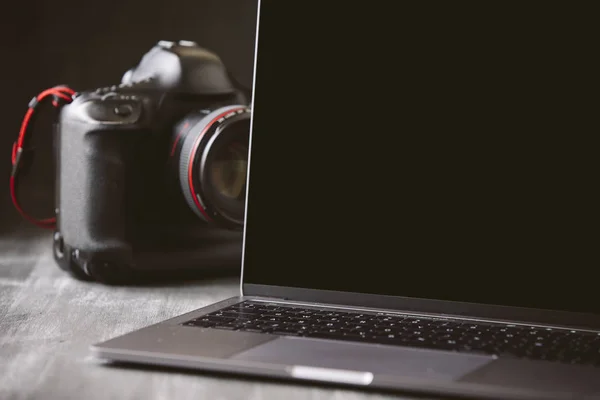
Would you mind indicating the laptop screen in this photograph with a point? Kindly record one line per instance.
(416, 153)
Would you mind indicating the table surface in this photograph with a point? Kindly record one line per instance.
(48, 320)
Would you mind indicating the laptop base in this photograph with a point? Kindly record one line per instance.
(359, 365)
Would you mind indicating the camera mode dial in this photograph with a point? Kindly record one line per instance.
(125, 86)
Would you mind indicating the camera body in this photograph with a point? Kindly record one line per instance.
(134, 195)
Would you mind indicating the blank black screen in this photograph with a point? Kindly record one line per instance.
(420, 151)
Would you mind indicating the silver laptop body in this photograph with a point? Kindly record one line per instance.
(364, 364)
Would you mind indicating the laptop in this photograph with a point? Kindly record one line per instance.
(414, 222)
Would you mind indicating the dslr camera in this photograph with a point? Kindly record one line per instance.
(151, 173)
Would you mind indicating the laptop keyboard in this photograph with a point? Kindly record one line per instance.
(561, 345)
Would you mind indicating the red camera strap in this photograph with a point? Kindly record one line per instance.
(60, 95)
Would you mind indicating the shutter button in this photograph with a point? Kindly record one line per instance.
(123, 110)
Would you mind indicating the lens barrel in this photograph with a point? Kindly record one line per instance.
(211, 151)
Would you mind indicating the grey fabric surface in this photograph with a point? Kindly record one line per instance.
(48, 320)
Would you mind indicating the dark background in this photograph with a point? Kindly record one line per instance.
(89, 44)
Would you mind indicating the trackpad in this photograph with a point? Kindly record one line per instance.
(400, 361)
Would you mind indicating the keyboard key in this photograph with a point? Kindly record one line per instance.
(228, 327)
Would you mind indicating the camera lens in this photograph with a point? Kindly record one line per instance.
(212, 152)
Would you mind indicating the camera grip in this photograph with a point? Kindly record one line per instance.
(91, 191)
